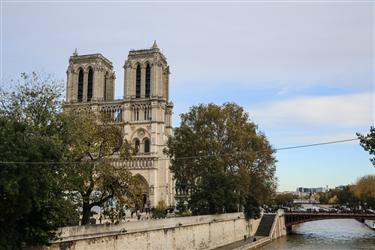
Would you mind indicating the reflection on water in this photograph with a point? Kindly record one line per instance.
(327, 234)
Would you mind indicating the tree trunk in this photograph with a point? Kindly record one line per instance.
(86, 212)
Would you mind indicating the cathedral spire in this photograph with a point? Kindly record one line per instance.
(154, 46)
(75, 53)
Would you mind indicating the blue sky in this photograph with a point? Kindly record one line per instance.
(303, 70)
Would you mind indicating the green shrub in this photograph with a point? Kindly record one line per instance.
(160, 211)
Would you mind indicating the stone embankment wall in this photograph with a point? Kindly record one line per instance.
(195, 232)
(278, 230)
(278, 227)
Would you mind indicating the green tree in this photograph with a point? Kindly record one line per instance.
(33, 204)
(325, 197)
(220, 157)
(93, 180)
(285, 199)
(368, 143)
(333, 200)
(346, 197)
(160, 211)
(342, 195)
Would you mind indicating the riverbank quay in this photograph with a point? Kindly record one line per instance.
(193, 232)
(271, 227)
(247, 244)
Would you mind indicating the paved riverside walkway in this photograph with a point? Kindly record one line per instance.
(246, 244)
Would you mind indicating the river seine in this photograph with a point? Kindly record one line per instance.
(327, 234)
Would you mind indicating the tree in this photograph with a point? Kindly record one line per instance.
(315, 196)
(364, 190)
(368, 143)
(285, 199)
(341, 195)
(93, 140)
(324, 197)
(333, 200)
(222, 160)
(160, 211)
(33, 204)
(346, 197)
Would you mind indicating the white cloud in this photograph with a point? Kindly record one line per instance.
(342, 111)
(291, 45)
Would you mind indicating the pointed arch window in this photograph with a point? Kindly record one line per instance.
(136, 145)
(148, 80)
(105, 87)
(147, 145)
(138, 82)
(89, 84)
(135, 113)
(80, 85)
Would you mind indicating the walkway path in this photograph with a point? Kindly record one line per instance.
(243, 244)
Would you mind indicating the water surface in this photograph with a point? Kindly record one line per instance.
(327, 234)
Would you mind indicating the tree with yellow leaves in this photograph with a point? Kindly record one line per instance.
(364, 190)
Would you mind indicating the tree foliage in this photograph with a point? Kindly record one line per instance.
(159, 212)
(222, 160)
(53, 164)
(364, 190)
(93, 140)
(32, 201)
(368, 143)
(345, 196)
(285, 199)
(342, 195)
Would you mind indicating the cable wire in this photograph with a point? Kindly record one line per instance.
(187, 157)
(317, 144)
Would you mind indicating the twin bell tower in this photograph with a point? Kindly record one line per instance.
(145, 112)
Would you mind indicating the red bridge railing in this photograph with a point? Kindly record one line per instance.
(293, 218)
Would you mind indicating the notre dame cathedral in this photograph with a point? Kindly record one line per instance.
(145, 111)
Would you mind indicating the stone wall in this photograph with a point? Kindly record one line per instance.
(195, 232)
(278, 227)
(278, 230)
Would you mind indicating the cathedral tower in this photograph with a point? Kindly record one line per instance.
(90, 78)
(145, 112)
(147, 116)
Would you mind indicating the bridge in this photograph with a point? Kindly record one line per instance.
(294, 218)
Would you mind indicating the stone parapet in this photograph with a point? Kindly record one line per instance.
(136, 163)
(194, 232)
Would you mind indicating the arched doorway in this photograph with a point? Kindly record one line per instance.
(142, 192)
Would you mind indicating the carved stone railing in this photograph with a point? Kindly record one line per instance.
(113, 110)
(136, 163)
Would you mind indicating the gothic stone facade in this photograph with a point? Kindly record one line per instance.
(145, 112)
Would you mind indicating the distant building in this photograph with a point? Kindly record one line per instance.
(341, 187)
(303, 190)
(288, 192)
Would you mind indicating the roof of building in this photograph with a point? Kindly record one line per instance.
(76, 56)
